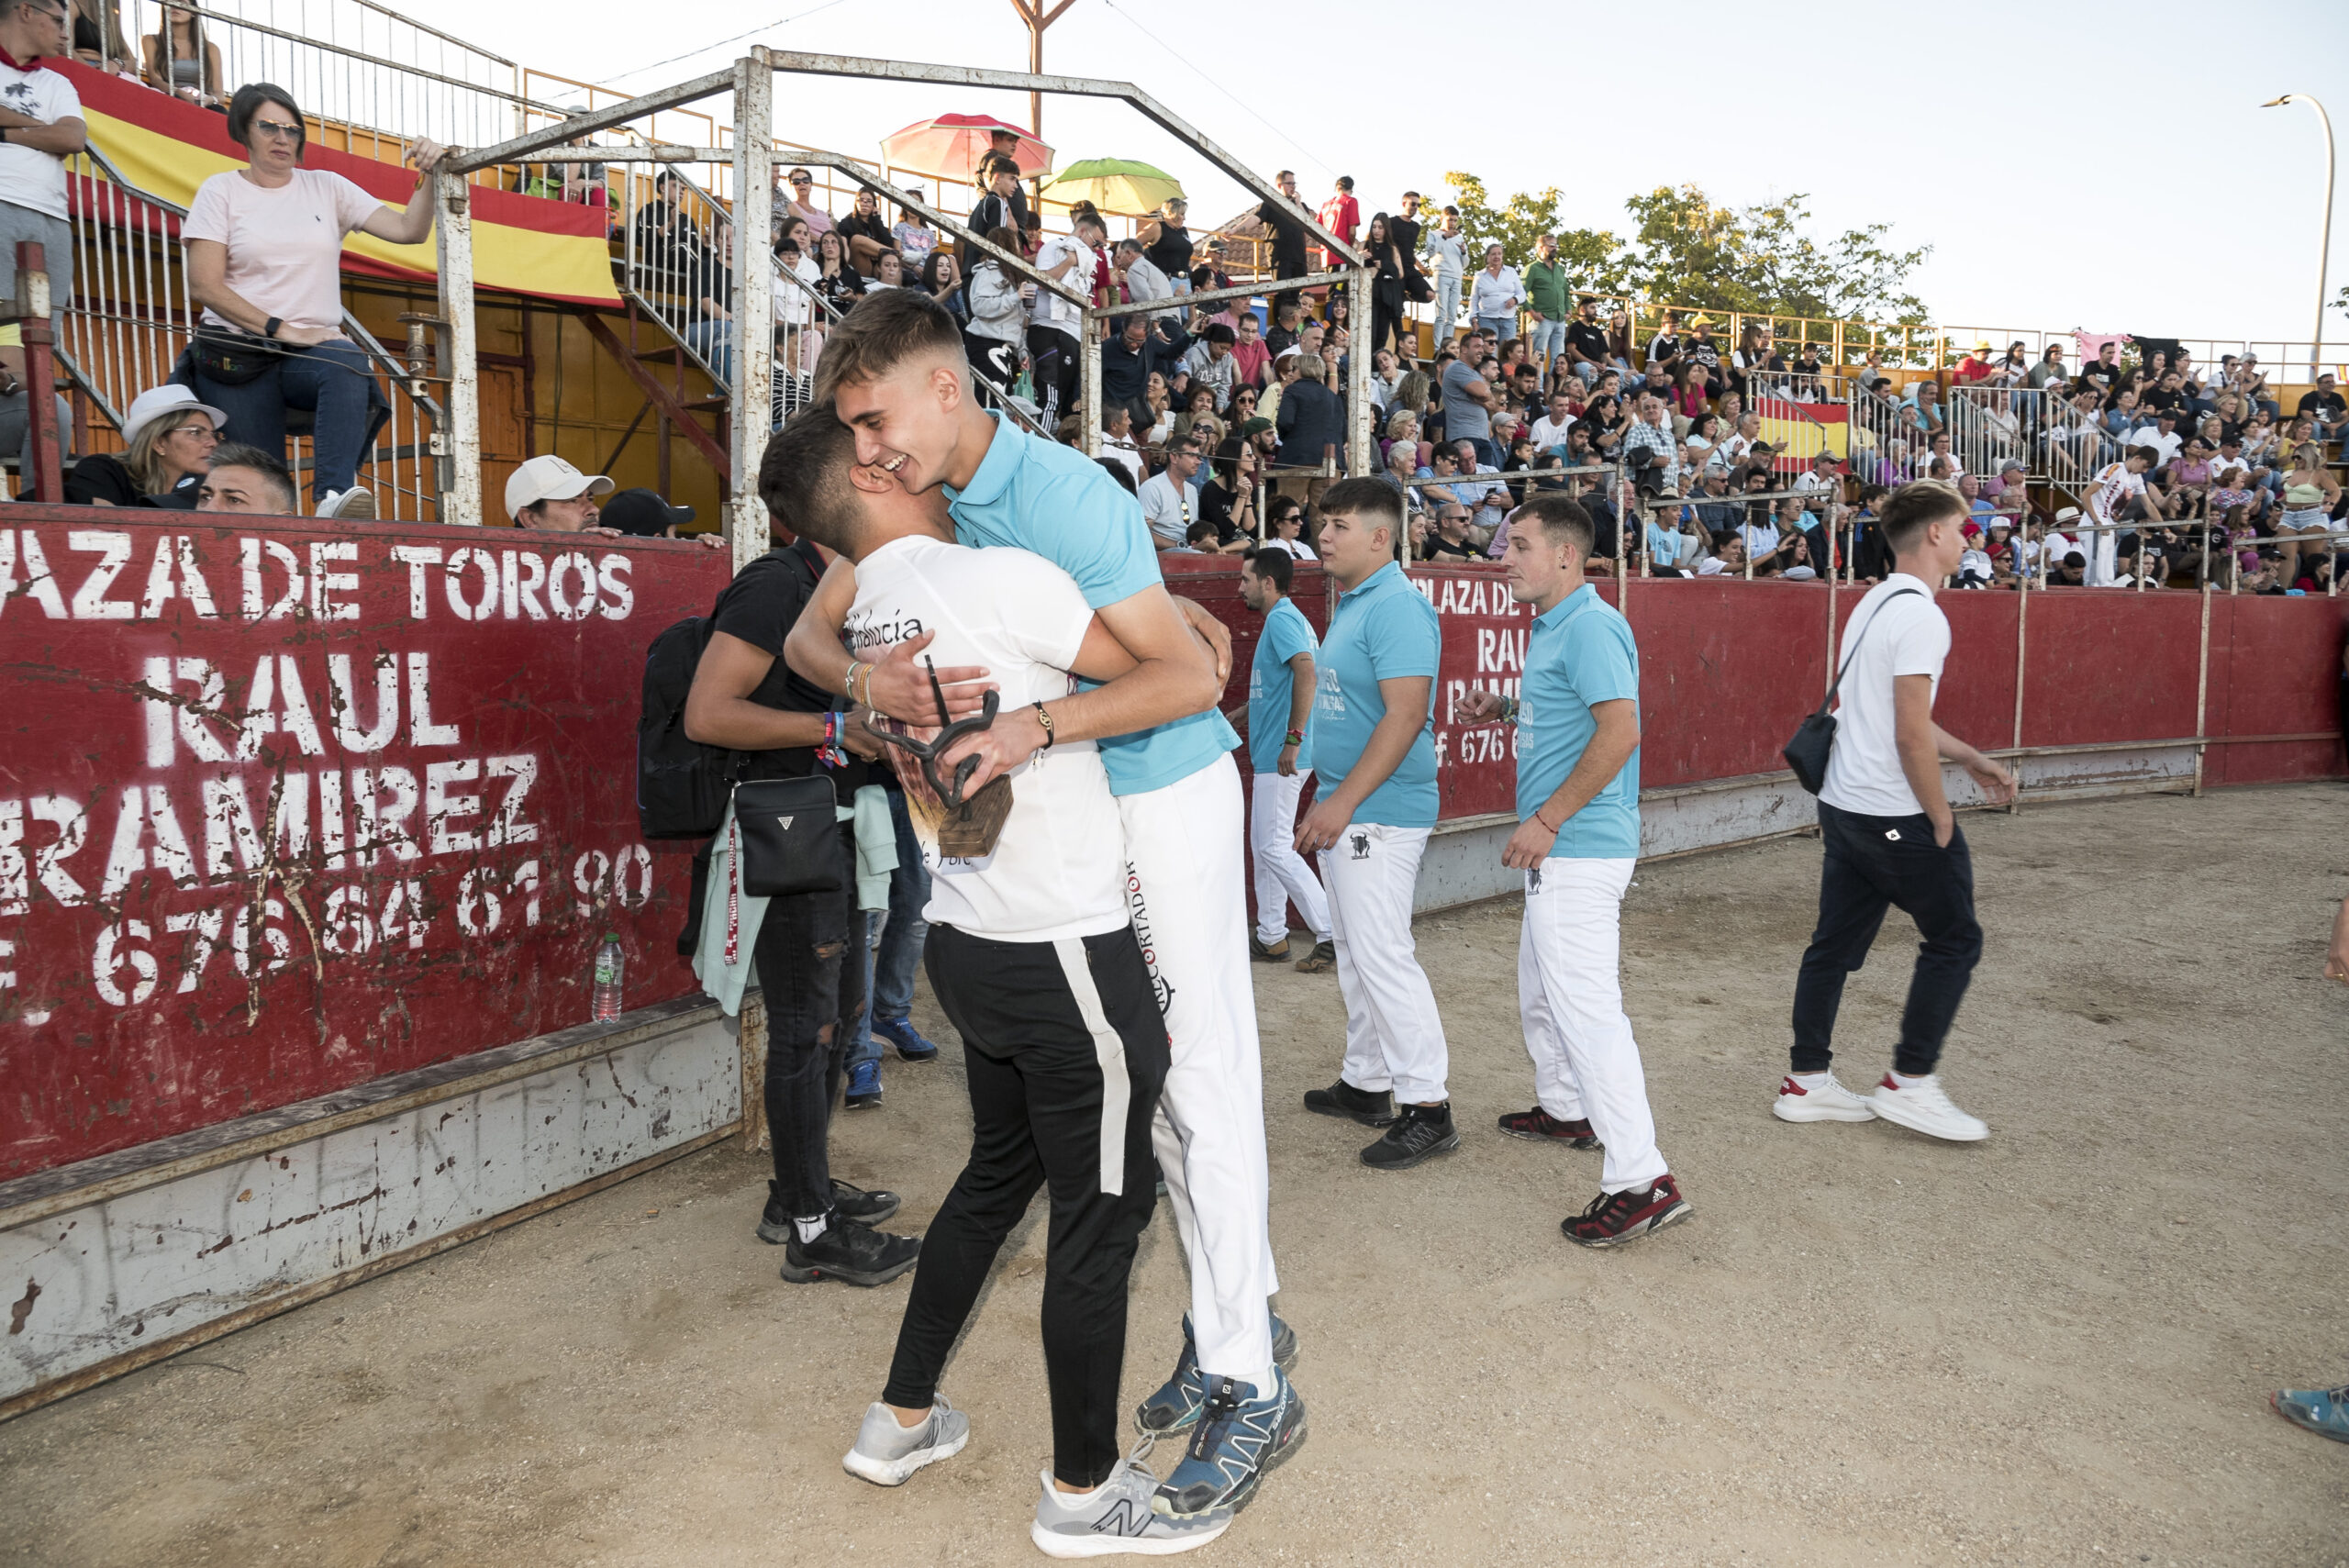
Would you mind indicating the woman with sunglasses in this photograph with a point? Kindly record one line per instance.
(264, 258)
(168, 438)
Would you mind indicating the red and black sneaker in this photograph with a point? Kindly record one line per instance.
(1614, 1218)
(1543, 1127)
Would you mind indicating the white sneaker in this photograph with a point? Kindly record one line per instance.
(1828, 1101)
(1124, 1515)
(355, 505)
(1922, 1107)
(887, 1453)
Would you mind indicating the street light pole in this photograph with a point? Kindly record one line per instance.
(2324, 239)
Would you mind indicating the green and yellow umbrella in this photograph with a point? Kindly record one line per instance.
(1114, 184)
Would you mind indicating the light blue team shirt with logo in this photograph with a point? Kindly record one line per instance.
(1578, 653)
(1041, 496)
(1271, 682)
(1383, 630)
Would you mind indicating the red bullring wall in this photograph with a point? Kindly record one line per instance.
(461, 747)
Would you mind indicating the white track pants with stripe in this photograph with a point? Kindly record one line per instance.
(1184, 848)
(1570, 995)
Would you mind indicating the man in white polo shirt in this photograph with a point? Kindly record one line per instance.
(1890, 834)
(1166, 503)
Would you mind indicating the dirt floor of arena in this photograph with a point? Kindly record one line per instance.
(2054, 1346)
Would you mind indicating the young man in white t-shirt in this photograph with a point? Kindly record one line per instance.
(2116, 484)
(1035, 961)
(1890, 834)
(1055, 347)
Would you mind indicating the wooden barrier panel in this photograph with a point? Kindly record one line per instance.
(284, 807)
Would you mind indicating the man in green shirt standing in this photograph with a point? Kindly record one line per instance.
(1547, 294)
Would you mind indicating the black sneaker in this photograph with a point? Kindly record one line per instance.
(1543, 1127)
(1342, 1098)
(1277, 954)
(854, 1202)
(1324, 956)
(1423, 1133)
(850, 1252)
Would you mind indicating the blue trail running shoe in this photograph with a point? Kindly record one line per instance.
(1241, 1433)
(901, 1033)
(2324, 1411)
(863, 1086)
(1175, 1406)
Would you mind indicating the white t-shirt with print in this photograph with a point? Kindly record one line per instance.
(1051, 309)
(1886, 638)
(29, 177)
(1058, 867)
(285, 241)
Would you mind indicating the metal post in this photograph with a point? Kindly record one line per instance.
(1091, 435)
(1359, 452)
(45, 482)
(2325, 236)
(459, 441)
(750, 408)
(2022, 662)
(2202, 693)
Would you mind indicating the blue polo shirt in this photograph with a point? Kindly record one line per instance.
(1271, 682)
(1579, 652)
(1041, 496)
(1383, 630)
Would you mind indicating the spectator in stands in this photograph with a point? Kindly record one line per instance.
(246, 479)
(41, 126)
(1312, 419)
(1251, 358)
(1229, 499)
(1585, 343)
(1447, 250)
(1118, 444)
(1055, 326)
(168, 438)
(1285, 520)
(1283, 217)
(1650, 453)
(1005, 205)
(2160, 433)
(2049, 374)
(1130, 265)
(265, 250)
(2310, 493)
(1922, 406)
(1468, 403)
(1165, 497)
(639, 513)
(2324, 404)
(1210, 363)
(915, 241)
(1495, 294)
(998, 319)
(798, 202)
(549, 494)
(1453, 540)
(182, 61)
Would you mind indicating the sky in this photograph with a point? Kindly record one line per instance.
(2071, 165)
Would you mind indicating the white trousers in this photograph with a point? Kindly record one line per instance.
(1394, 1038)
(1570, 995)
(1186, 890)
(1281, 876)
(2104, 561)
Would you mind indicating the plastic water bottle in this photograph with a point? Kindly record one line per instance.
(608, 963)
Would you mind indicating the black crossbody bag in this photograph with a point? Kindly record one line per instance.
(1815, 736)
(788, 837)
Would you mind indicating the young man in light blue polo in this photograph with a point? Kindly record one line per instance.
(1374, 745)
(1278, 724)
(1577, 840)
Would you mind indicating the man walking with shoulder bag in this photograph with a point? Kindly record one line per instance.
(1890, 834)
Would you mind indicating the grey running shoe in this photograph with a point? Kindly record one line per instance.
(886, 1453)
(1117, 1516)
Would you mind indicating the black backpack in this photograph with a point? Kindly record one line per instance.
(681, 785)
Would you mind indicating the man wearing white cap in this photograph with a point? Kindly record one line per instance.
(548, 492)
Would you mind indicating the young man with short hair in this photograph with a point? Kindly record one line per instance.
(1375, 746)
(1055, 341)
(246, 479)
(2115, 487)
(1548, 296)
(896, 367)
(1034, 961)
(1890, 834)
(1577, 838)
(1277, 723)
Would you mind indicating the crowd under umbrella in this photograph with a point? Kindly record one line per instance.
(1113, 185)
(949, 147)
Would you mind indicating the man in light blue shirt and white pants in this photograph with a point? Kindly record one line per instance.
(1577, 841)
(1278, 724)
(1375, 747)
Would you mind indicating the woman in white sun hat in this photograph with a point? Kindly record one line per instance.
(168, 438)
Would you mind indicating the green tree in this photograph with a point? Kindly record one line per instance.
(1761, 258)
(1686, 250)
(1593, 256)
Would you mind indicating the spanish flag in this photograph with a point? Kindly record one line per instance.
(166, 147)
(1799, 430)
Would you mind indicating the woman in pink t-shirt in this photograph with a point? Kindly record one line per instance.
(264, 260)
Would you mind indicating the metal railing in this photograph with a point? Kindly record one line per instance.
(1991, 425)
(131, 319)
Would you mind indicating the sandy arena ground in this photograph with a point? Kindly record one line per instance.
(2055, 1347)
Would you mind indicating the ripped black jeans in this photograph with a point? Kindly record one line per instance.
(810, 958)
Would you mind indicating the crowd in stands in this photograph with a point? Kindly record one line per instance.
(1543, 388)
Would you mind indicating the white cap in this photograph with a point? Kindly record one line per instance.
(165, 402)
(549, 479)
